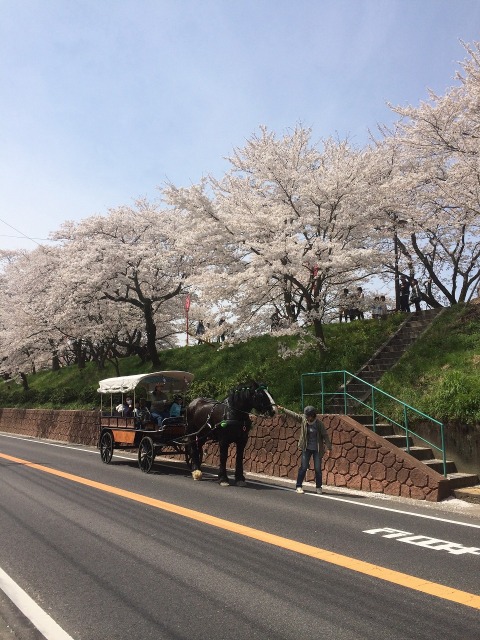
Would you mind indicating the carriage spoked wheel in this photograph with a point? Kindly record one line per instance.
(146, 454)
(106, 447)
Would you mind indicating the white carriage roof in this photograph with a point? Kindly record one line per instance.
(174, 381)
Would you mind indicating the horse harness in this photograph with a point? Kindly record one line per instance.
(227, 420)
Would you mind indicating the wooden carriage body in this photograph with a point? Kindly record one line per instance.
(122, 432)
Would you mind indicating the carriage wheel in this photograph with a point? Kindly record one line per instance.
(146, 454)
(106, 447)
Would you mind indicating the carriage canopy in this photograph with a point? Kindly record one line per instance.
(175, 381)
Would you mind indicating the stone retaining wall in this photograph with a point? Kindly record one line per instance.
(80, 427)
(360, 459)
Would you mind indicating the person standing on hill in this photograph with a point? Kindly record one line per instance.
(416, 295)
(200, 331)
(359, 304)
(404, 290)
(382, 308)
(344, 306)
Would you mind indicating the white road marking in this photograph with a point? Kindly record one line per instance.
(314, 495)
(37, 616)
(376, 506)
(48, 444)
(425, 541)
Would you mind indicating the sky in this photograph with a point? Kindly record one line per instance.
(104, 101)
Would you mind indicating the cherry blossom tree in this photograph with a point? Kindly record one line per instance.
(436, 184)
(283, 229)
(29, 340)
(130, 258)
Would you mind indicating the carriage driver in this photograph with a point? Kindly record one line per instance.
(158, 408)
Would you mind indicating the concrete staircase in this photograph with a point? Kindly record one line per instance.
(465, 486)
(384, 358)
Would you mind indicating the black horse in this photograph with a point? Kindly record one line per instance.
(226, 422)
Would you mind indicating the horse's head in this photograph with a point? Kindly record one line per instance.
(251, 396)
(262, 401)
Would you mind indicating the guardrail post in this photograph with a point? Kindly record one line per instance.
(374, 416)
(322, 387)
(444, 456)
(405, 422)
(344, 392)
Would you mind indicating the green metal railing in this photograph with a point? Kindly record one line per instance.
(378, 403)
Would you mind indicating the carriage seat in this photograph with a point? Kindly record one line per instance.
(144, 420)
(173, 427)
(171, 422)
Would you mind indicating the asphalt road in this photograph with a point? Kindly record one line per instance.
(161, 556)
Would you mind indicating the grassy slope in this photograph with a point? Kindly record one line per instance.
(439, 375)
(216, 370)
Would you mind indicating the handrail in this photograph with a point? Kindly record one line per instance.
(377, 395)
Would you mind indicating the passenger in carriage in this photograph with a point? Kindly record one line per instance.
(176, 407)
(125, 407)
(158, 407)
(141, 413)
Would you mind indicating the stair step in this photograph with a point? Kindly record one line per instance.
(352, 403)
(469, 494)
(382, 429)
(368, 374)
(382, 366)
(362, 419)
(437, 465)
(371, 367)
(400, 441)
(460, 480)
(401, 343)
(355, 388)
(422, 453)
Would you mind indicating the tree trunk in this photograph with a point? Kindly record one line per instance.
(24, 380)
(318, 329)
(79, 354)
(151, 331)
(55, 362)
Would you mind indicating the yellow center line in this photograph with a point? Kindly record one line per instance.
(375, 571)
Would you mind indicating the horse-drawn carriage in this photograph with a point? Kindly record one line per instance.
(204, 419)
(136, 427)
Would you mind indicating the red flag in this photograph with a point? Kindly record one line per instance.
(187, 303)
